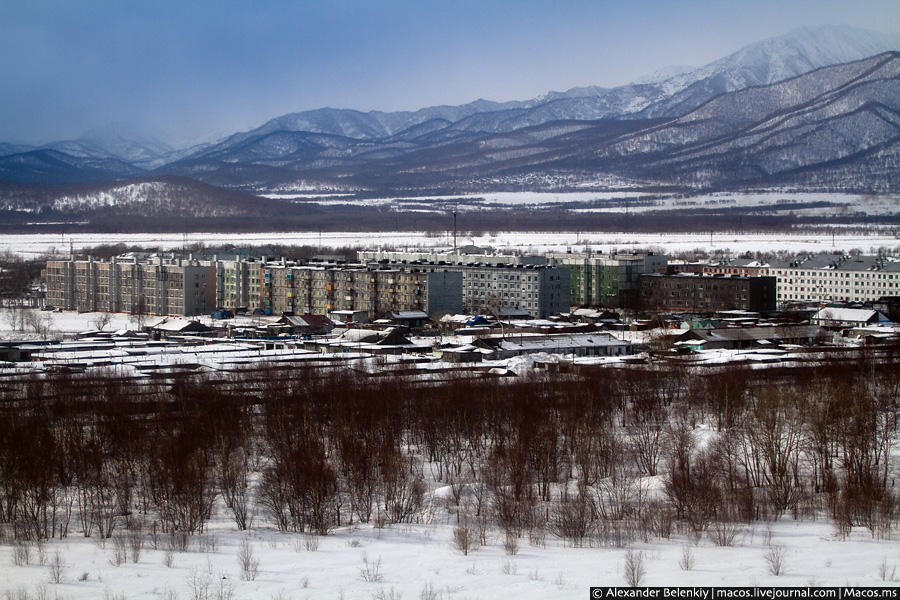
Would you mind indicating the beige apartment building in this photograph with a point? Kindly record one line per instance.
(153, 285)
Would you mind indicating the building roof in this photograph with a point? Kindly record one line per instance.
(748, 334)
(408, 314)
(850, 315)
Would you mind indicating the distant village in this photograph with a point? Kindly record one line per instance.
(461, 309)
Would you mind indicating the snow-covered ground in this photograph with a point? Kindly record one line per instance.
(406, 560)
(419, 560)
(35, 245)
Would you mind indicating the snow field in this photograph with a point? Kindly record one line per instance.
(36, 245)
(409, 561)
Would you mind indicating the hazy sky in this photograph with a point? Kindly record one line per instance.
(200, 69)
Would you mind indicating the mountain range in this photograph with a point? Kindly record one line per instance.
(816, 109)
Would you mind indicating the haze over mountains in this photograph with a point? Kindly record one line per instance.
(816, 109)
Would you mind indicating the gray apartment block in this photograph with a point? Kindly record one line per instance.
(492, 283)
(153, 285)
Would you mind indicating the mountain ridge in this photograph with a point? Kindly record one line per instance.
(350, 149)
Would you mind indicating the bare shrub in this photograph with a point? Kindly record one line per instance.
(57, 567)
(247, 562)
(634, 569)
(428, 592)
(119, 549)
(573, 518)
(510, 544)
(885, 572)
(686, 562)
(207, 543)
(464, 539)
(311, 542)
(178, 542)
(775, 556)
(371, 569)
(22, 554)
(136, 540)
(508, 567)
(168, 558)
(724, 533)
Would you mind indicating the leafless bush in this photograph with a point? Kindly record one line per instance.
(120, 549)
(724, 533)
(573, 518)
(57, 567)
(508, 567)
(247, 561)
(168, 558)
(775, 556)
(686, 562)
(560, 581)
(634, 569)
(464, 539)
(311, 542)
(22, 554)
(886, 572)
(391, 594)
(207, 543)
(178, 541)
(510, 544)
(371, 569)
(657, 520)
(537, 534)
(428, 592)
(136, 540)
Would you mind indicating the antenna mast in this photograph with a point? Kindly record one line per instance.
(454, 228)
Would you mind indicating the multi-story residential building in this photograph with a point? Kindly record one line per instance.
(836, 278)
(606, 279)
(237, 282)
(173, 286)
(323, 289)
(492, 283)
(707, 293)
(154, 285)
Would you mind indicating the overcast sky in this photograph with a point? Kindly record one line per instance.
(192, 70)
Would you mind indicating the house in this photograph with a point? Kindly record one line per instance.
(582, 344)
(461, 354)
(849, 317)
(167, 328)
(304, 325)
(372, 341)
(740, 338)
(414, 319)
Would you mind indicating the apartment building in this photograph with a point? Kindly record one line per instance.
(137, 284)
(836, 278)
(707, 293)
(606, 279)
(491, 283)
(324, 289)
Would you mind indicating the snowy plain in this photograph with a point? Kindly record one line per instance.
(37, 245)
(411, 560)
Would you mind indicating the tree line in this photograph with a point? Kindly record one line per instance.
(603, 456)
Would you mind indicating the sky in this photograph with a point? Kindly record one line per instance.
(194, 71)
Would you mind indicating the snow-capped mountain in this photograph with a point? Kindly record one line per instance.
(651, 128)
(762, 63)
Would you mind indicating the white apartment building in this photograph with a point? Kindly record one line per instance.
(836, 278)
